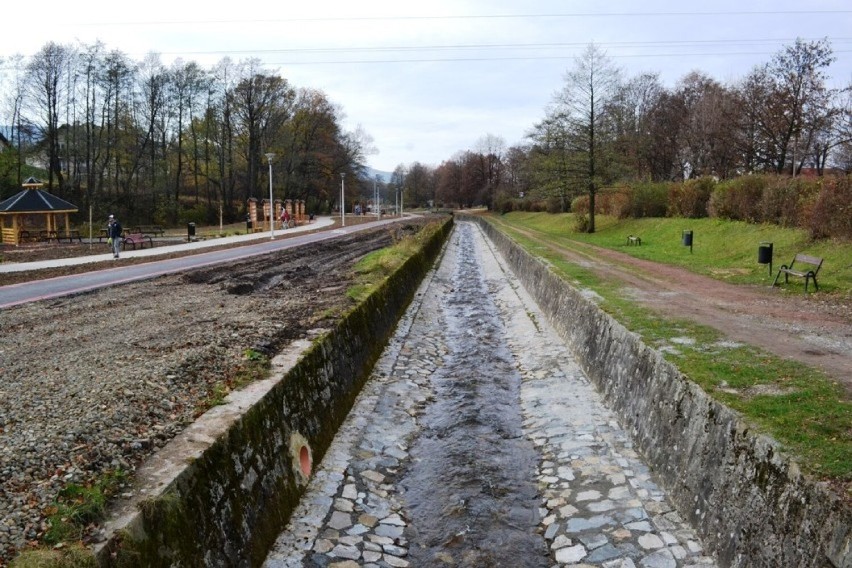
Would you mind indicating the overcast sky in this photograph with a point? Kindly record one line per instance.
(429, 79)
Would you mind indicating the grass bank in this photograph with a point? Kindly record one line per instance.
(725, 250)
(800, 407)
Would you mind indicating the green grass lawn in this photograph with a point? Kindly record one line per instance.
(726, 250)
(803, 409)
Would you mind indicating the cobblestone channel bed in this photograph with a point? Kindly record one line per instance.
(594, 502)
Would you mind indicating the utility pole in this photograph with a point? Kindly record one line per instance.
(342, 199)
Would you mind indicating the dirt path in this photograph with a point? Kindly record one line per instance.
(813, 329)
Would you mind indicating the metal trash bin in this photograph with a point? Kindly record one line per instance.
(686, 237)
(764, 255)
(190, 231)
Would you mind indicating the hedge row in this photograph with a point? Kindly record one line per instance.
(820, 205)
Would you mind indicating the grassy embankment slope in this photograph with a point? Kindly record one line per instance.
(799, 406)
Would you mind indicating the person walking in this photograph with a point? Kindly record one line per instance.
(114, 231)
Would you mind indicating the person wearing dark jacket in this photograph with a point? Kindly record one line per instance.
(114, 231)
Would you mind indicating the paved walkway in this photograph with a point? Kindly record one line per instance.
(161, 249)
(594, 503)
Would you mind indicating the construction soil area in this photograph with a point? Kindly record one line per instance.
(100, 381)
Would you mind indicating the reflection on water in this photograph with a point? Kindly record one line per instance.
(468, 488)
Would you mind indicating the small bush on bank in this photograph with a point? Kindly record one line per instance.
(649, 200)
(690, 198)
(581, 222)
(554, 205)
(530, 205)
(830, 214)
(505, 205)
(784, 200)
(738, 199)
(822, 206)
(614, 202)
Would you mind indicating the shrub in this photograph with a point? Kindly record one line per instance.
(738, 199)
(554, 205)
(649, 200)
(690, 198)
(580, 205)
(785, 199)
(504, 205)
(830, 214)
(614, 202)
(199, 214)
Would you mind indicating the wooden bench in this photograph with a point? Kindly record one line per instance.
(70, 237)
(634, 240)
(795, 269)
(156, 230)
(137, 239)
(46, 236)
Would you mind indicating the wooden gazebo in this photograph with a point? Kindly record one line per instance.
(33, 211)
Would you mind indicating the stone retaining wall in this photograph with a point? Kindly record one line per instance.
(751, 504)
(220, 493)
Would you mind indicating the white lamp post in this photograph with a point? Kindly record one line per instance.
(269, 157)
(342, 200)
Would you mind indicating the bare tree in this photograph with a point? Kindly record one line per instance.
(792, 103)
(706, 130)
(221, 128)
(581, 107)
(449, 182)
(187, 84)
(47, 89)
(14, 107)
(490, 149)
(517, 178)
(833, 135)
(631, 113)
(310, 140)
(261, 103)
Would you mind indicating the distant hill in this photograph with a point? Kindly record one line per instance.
(384, 177)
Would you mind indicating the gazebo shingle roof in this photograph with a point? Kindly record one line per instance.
(35, 201)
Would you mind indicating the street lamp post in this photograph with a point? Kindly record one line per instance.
(269, 157)
(342, 200)
(376, 206)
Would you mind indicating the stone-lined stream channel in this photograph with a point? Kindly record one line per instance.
(478, 441)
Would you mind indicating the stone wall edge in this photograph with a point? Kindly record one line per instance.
(750, 503)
